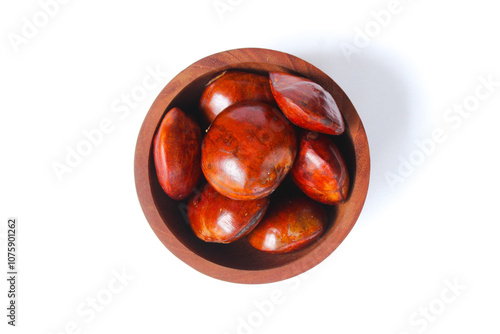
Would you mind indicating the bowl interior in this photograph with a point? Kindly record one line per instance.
(169, 219)
(238, 254)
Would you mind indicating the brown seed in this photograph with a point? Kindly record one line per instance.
(248, 150)
(306, 104)
(232, 87)
(216, 218)
(319, 169)
(289, 225)
(177, 154)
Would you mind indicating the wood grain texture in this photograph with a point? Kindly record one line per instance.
(239, 262)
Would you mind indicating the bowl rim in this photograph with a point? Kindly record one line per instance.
(239, 58)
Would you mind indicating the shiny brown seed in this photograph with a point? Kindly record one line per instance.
(319, 169)
(289, 225)
(231, 87)
(215, 218)
(248, 150)
(306, 104)
(177, 154)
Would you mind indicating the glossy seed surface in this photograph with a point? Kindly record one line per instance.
(248, 150)
(232, 87)
(306, 104)
(320, 170)
(177, 154)
(216, 218)
(289, 225)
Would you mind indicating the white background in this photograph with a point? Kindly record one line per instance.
(436, 226)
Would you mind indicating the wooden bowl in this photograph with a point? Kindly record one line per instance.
(238, 261)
